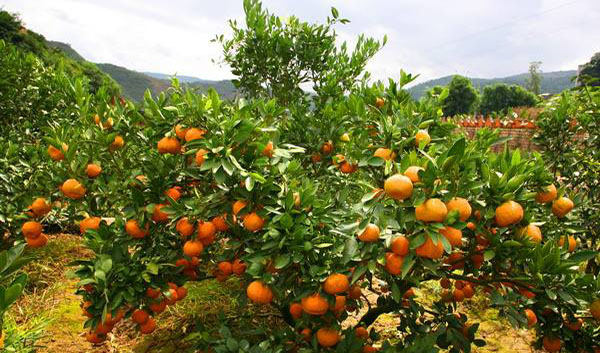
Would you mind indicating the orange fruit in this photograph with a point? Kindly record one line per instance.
(259, 292)
(238, 267)
(399, 245)
(181, 293)
(385, 153)
(361, 332)
(158, 216)
(412, 173)
(595, 309)
(532, 231)
(220, 223)
(314, 304)
(238, 206)
(562, 206)
(398, 187)
(355, 292)
(453, 235)
(393, 263)
(225, 268)
(327, 147)
(369, 349)
(103, 328)
(206, 230)
(194, 134)
(575, 325)
(148, 327)
(340, 303)
(200, 156)
(173, 193)
(253, 222)
(445, 283)
(192, 248)
(336, 283)
(328, 337)
(296, 310)
(38, 242)
(94, 338)
(140, 316)
(548, 195)
(268, 150)
(172, 298)
(458, 295)
(180, 131)
(348, 168)
(430, 250)
(551, 344)
(152, 293)
(89, 223)
(184, 227)
(117, 143)
(306, 333)
(432, 210)
(370, 234)
(93, 170)
(55, 154)
(73, 189)
(572, 242)
(315, 158)
(468, 291)
(132, 228)
(463, 207)
(531, 317)
(379, 102)
(422, 136)
(158, 307)
(40, 207)
(31, 229)
(510, 212)
(169, 145)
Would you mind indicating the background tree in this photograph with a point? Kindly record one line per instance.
(534, 82)
(501, 97)
(461, 98)
(590, 71)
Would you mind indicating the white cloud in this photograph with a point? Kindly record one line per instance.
(481, 38)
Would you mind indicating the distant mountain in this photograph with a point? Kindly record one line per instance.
(181, 78)
(552, 82)
(66, 48)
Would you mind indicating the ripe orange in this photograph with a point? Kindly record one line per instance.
(468, 291)
(315, 158)
(55, 154)
(562, 206)
(180, 131)
(94, 338)
(328, 337)
(259, 292)
(453, 235)
(140, 316)
(370, 234)
(31, 229)
(133, 229)
(445, 283)
(393, 263)
(181, 293)
(253, 222)
(551, 344)
(296, 310)
(327, 147)
(152, 293)
(463, 207)
(412, 173)
(117, 143)
(220, 223)
(422, 136)
(314, 304)
(432, 210)
(548, 195)
(340, 303)
(430, 250)
(532, 231)
(38, 242)
(361, 332)
(369, 349)
(103, 328)
(575, 325)
(355, 292)
(531, 317)
(184, 227)
(200, 156)
(158, 216)
(306, 333)
(173, 193)
(148, 327)
(379, 102)
(348, 168)
(158, 307)
(572, 242)
(89, 223)
(225, 268)
(510, 212)
(169, 145)
(73, 189)
(458, 295)
(194, 134)
(385, 153)
(93, 170)
(192, 248)
(238, 206)
(399, 245)
(398, 187)
(595, 309)
(40, 207)
(238, 267)
(268, 150)
(206, 230)
(336, 283)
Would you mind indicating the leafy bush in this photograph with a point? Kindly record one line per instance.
(501, 97)
(462, 97)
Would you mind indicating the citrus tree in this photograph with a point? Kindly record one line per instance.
(314, 201)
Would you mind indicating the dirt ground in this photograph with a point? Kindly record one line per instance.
(50, 302)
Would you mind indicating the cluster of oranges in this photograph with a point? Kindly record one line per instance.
(32, 230)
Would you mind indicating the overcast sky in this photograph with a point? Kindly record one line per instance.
(478, 38)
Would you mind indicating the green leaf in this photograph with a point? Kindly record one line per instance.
(583, 255)
(282, 261)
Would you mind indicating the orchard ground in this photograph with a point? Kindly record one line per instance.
(52, 307)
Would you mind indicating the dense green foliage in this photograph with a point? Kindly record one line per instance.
(589, 73)
(461, 97)
(500, 97)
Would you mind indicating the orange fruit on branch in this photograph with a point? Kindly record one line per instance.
(38, 242)
(314, 304)
(532, 231)
(268, 150)
(93, 170)
(432, 210)
(385, 153)
(296, 311)
(140, 316)
(73, 189)
(509, 213)
(169, 145)
(548, 195)
(412, 173)
(328, 337)
(393, 263)
(400, 245)
(259, 292)
(422, 136)
(336, 283)
(453, 235)
(192, 248)
(133, 229)
(89, 223)
(31, 229)
(370, 234)
(253, 222)
(40, 207)
(194, 134)
(531, 317)
(430, 250)
(562, 206)
(159, 216)
(463, 207)
(184, 227)
(398, 187)
(571, 240)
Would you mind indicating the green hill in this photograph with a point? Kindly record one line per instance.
(552, 82)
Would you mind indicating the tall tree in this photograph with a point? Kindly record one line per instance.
(534, 82)
(500, 97)
(461, 98)
(590, 71)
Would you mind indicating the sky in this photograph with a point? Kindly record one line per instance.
(433, 38)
